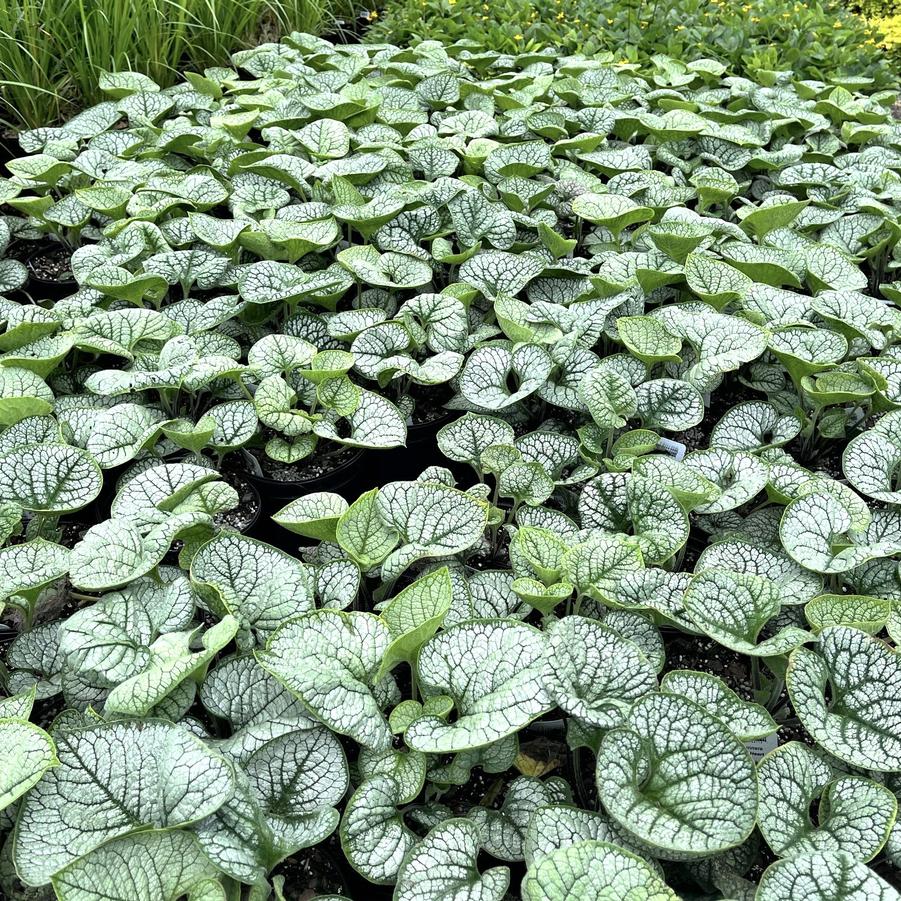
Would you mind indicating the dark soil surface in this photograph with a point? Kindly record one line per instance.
(313, 467)
(310, 873)
(248, 509)
(429, 406)
(706, 656)
(500, 559)
(51, 265)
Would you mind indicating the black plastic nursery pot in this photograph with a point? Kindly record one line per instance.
(275, 493)
(420, 452)
(49, 275)
(246, 517)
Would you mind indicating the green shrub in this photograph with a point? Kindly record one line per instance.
(812, 40)
(52, 52)
(873, 9)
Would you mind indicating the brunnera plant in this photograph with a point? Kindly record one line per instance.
(639, 331)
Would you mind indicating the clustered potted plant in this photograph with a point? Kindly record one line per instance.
(486, 479)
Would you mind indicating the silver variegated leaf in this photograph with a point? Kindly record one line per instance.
(492, 671)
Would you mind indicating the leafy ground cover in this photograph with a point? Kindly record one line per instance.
(637, 329)
(817, 40)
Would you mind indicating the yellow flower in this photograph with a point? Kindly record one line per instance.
(680, 28)
(609, 21)
(374, 14)
(836, 24)
(755, 18)
(517, 37)
(561, 17)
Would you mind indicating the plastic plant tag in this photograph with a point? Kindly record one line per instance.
(759, 747)
(675, 449)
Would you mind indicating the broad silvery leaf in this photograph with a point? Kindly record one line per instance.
(153, 493)
(374, 423)
(407, 768)
(171, 662)
(669, 404)
(26, 753)
(845, 693)
(49, 478)
(638, 507)
(853, 814)
(796, 584)
(871, 459)
(256, 705)
(740, 476)
(715, 281)
(593, 673)
(363, 534)
(465, 439)
(720, 342)
(258, 584)
(148, 866)
(685, 483)
(647, 338)
(503, 829)
(489, 372)
(245, 838)
(477, 219)
(657, 781)
(822, 532)
(387, 270)
(823, 876)
(374, 837)
(733, 608)
(613, 211)
(279, 355)
(497, 272)
(860, 611)
(115, 552)
(597, 566)
(745, 720)
(414, 615)
(235, 424)
(29, 566)
(23, 393)
(557, 826)
(609, 397)
(110, 642)
(443, 864)
(594, 869)
(492, 670)
(753, 426)
(336, 688)
(182, 781)
(431, 520)
(298, 776)
(17, 707)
